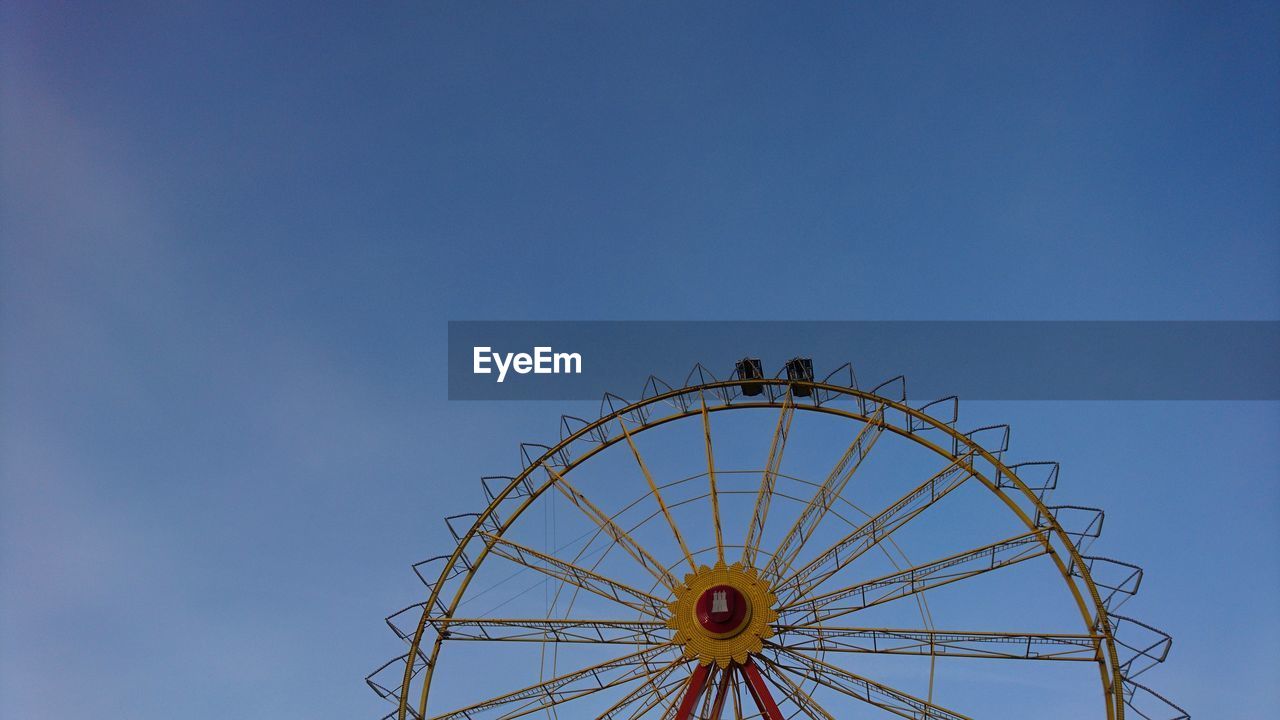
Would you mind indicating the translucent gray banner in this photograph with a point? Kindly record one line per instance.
(998, 360)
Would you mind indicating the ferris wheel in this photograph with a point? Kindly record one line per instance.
(774, 547)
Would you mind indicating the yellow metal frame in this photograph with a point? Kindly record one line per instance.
(1063, 552)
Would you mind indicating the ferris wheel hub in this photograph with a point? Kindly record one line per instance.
(723, 614)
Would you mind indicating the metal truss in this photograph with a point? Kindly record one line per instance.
(919, 578)
(610, 632)
(562, 689)
(860, 688)
(571, 574)
(950, 643)
(831, 488)
(871, 533)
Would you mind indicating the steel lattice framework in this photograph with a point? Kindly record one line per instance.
(748, 627)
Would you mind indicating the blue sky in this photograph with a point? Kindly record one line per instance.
(232, 237)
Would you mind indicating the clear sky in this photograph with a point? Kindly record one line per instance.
(232, 235)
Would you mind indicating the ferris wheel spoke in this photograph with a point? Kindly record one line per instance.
(716, 709)
(714, 680)
(652, 692)
(941, 643)
(616, 632)
(612, 529)
(569, 573)
(916, 579)
(826, 494)
(871, 533)
(792, 690)
(673, 701)
(657, 494)
(736, 697)
(862, 689)
(768, 480)
(669, 697)
(711, 476)
(667, 693)
(564, 688)
(657, 698)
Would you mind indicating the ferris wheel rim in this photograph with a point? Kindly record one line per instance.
(1092, 609)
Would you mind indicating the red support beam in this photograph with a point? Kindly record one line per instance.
(760, 692)
(697, 684)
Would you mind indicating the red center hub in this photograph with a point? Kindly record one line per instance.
(723, 610)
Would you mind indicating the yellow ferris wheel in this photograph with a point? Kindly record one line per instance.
(774, 547)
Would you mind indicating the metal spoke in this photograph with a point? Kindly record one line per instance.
(612, 529)
(940, 643)
(916, 579)
(567, 572)
(737, 694)
(564, 688)
(652, 693)
(792, 689)
(713, 682)
(826, 494)
(673, 701)
(873, 531)
(722, 694)
(651, 688)
(657, 494)
(860, 688)
(711, 475)
(768, 480)
(616, 632)
(666, 692)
